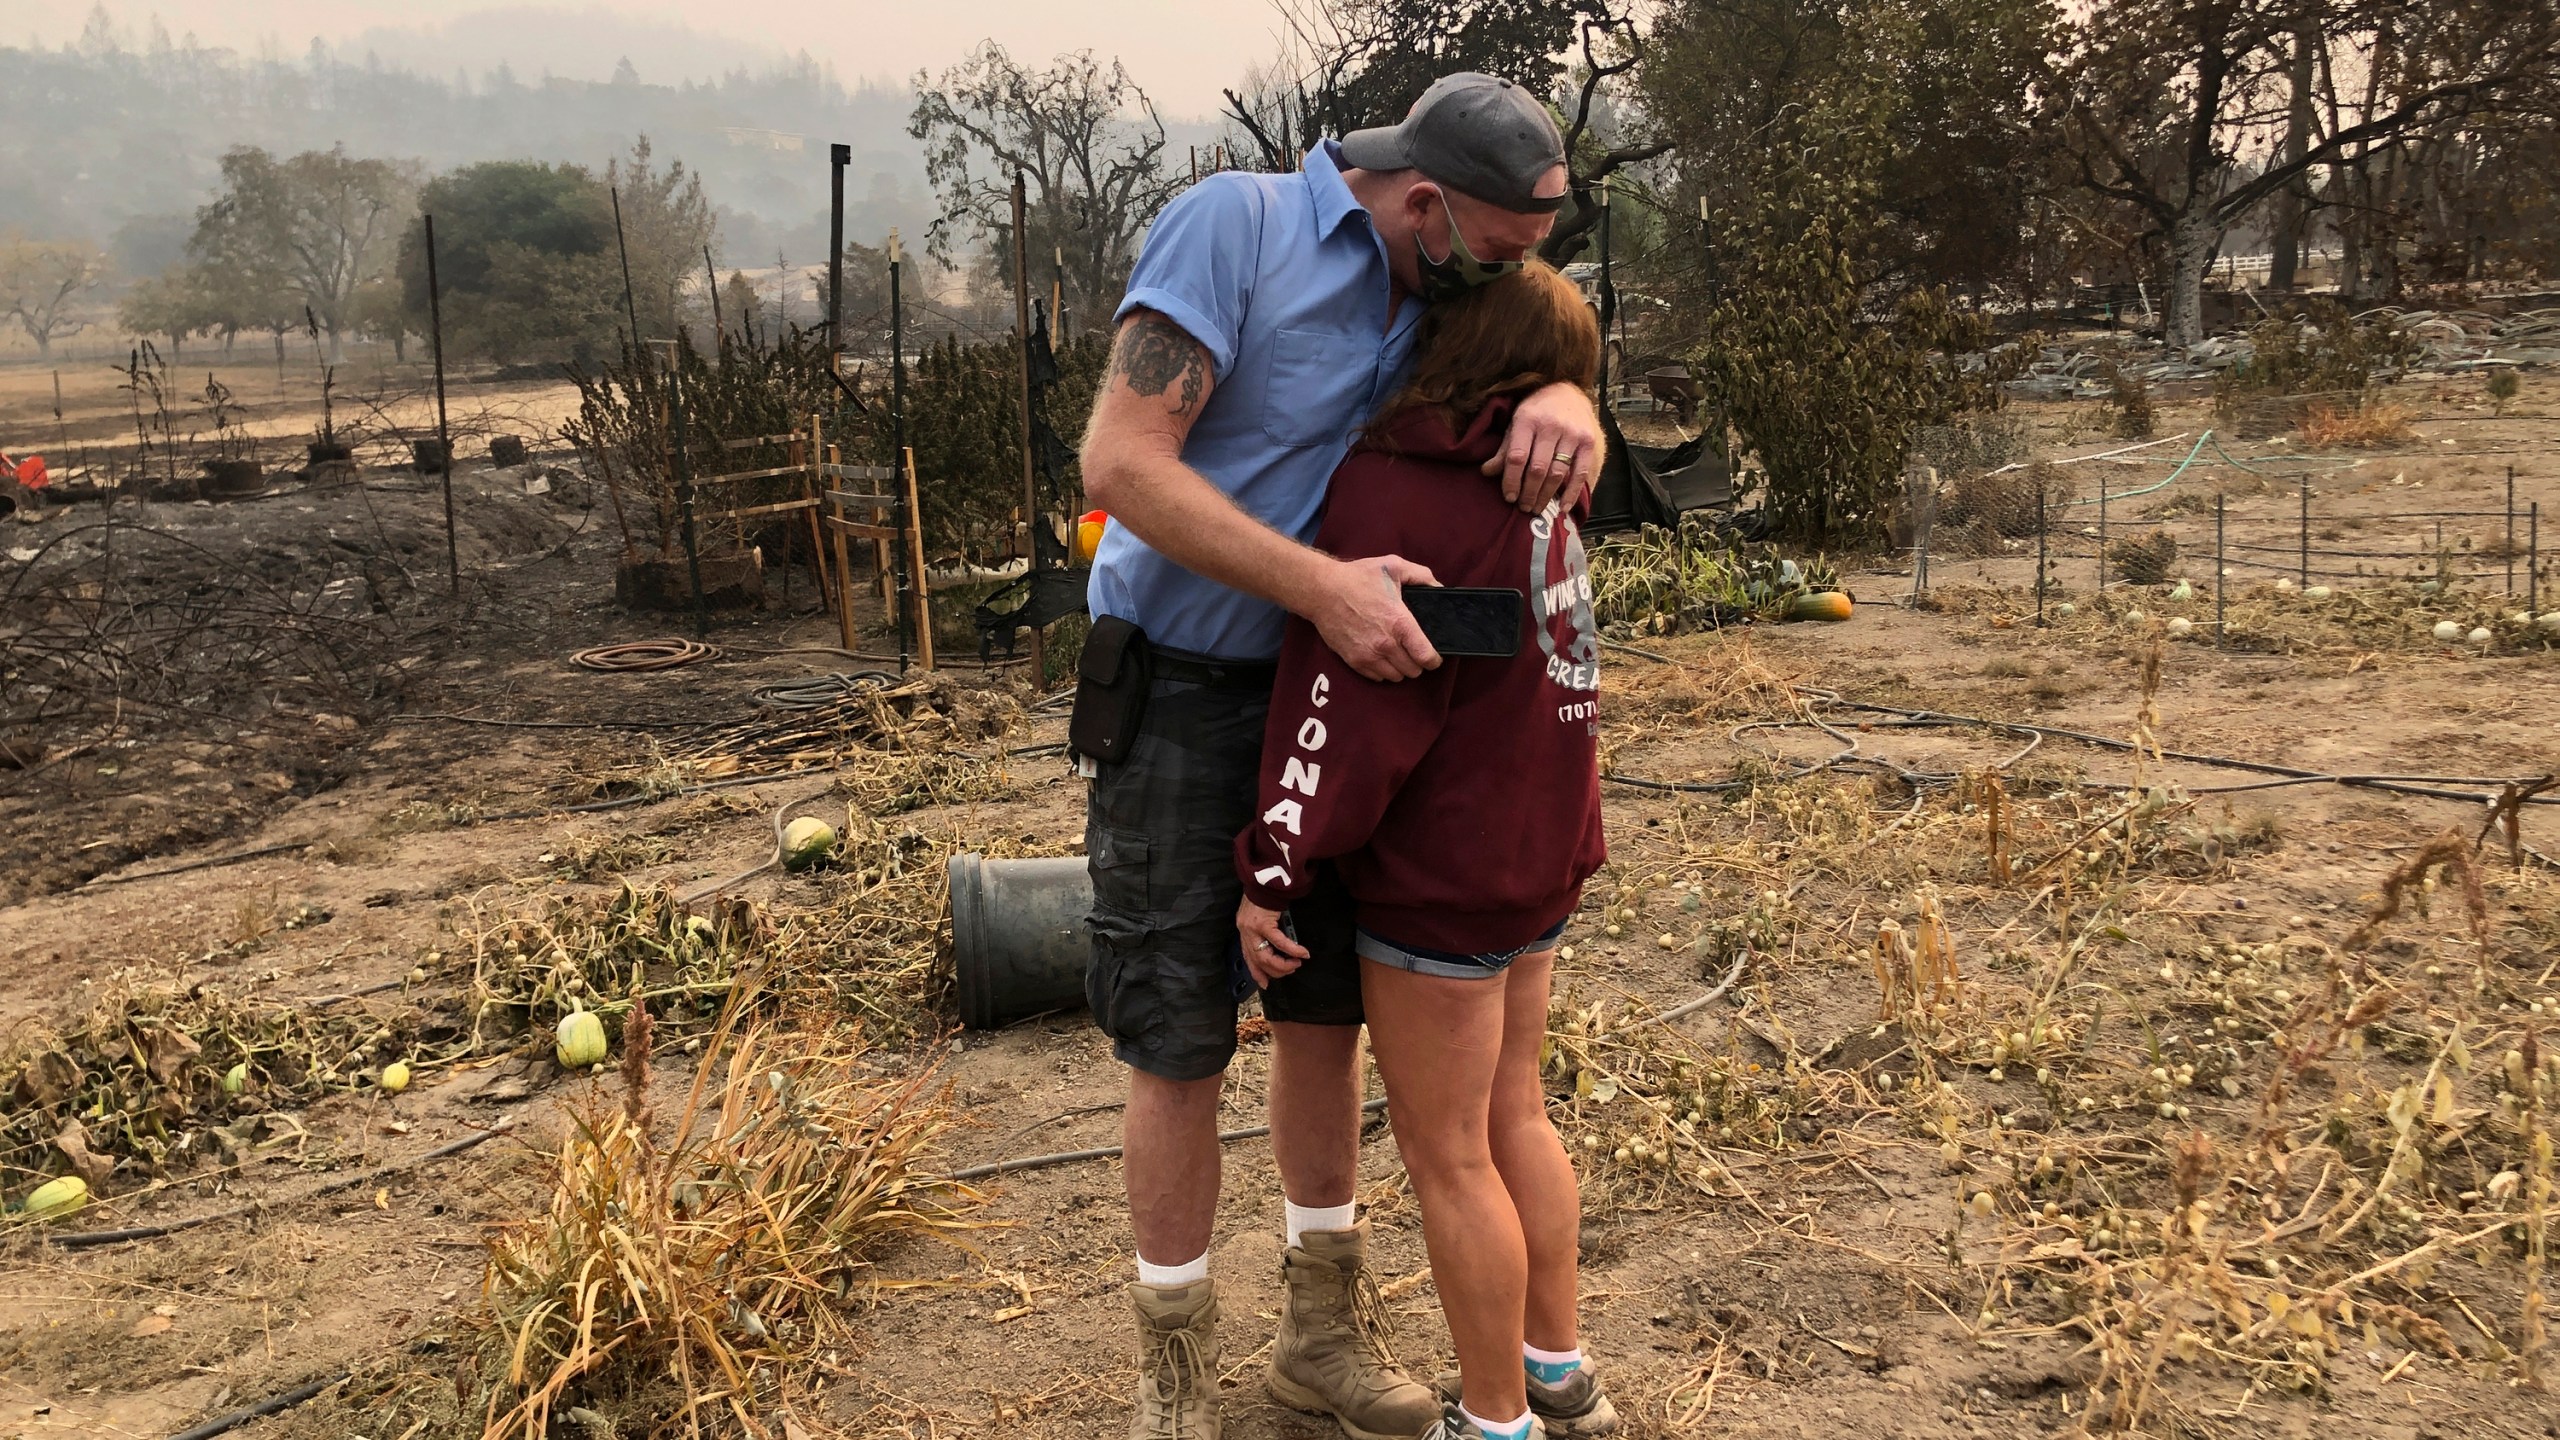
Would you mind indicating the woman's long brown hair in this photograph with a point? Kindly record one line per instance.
(1528, 329)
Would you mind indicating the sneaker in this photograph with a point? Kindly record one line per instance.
(1572, 1409)
(1454, 1426)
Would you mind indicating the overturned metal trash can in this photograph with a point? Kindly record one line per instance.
(1018, 936)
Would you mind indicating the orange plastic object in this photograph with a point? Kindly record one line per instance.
(1089, 535)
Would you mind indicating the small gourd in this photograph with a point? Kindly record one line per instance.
(1831, 605)
(805, 842)
(56, 1198)
(581, 1040)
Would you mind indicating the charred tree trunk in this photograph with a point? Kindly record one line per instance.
(2192, 241)
(2293, 202)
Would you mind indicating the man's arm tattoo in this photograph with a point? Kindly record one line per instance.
(1155, 356)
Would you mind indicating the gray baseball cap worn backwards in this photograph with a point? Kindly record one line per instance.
(1477, 134)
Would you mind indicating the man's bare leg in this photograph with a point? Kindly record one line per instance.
(1315, 1112)
(1170, 1165)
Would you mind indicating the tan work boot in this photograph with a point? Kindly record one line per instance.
(1177, 1362)
(1332, 1354)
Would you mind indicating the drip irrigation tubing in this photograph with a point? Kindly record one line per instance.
(781, 817)
(1681, 1011)
(544, 724)
(233, 858)
(1112, 1152)
(2420, 785)
(636, 656)
(2423, 786)
(273, 1404)
(91, 1239)
(597, 807)
(817, 692)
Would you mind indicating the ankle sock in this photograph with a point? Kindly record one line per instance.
(1550, 1367)
(1498, 1429)
(1302, 1218)
(1167, 1276)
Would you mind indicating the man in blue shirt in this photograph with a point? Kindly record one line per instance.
(1268, 317)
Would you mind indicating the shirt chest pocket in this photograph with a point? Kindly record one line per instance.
(1318, 390)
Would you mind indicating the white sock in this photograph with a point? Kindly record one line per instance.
(1168, 1276)
(1302, 1218)
(1516, 1428)
(1551, 1366)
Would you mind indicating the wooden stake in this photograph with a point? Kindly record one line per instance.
(915, 559)
(816, 490)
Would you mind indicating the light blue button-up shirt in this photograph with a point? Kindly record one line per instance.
(1284, 282)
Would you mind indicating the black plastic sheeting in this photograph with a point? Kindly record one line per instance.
(1642, 485)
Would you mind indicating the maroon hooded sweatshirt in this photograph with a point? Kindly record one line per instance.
(1462, 807)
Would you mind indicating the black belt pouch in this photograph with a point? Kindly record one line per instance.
(1111, 691)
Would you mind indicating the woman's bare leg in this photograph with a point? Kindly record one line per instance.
(1439, 1045)
(1532, 1160)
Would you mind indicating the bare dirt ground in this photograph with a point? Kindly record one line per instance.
(1807, 1256)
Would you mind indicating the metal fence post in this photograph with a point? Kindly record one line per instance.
(2306, 532)
(2511, 532)
(2219, 569)
(2102, 537)
(2533, 561)
(2042, 526)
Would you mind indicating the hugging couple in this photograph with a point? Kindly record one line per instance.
(1326, 386)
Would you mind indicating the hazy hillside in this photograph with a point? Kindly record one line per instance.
(116, 141)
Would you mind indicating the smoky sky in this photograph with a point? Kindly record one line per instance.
(1180, 51)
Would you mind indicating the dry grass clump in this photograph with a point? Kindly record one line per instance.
(2377, 422)
(143, 1080)
(2147, 559)
(684, 1275)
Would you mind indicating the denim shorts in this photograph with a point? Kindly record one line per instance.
(1450, 964)
(1167, 975)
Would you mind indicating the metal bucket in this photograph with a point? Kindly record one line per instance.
(1018, 936)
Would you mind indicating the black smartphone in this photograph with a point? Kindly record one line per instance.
(1461, 621)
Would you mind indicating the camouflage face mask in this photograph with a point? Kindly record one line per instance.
(1460, 271)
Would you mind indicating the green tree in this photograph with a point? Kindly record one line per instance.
(174, 304)
(1827, 397)
(666, 222)
(1941, 92)
(307, 232)
(524, 260)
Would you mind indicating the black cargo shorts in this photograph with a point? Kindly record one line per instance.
(1160, 830)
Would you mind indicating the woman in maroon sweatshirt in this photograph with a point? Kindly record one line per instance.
(1463, 812)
